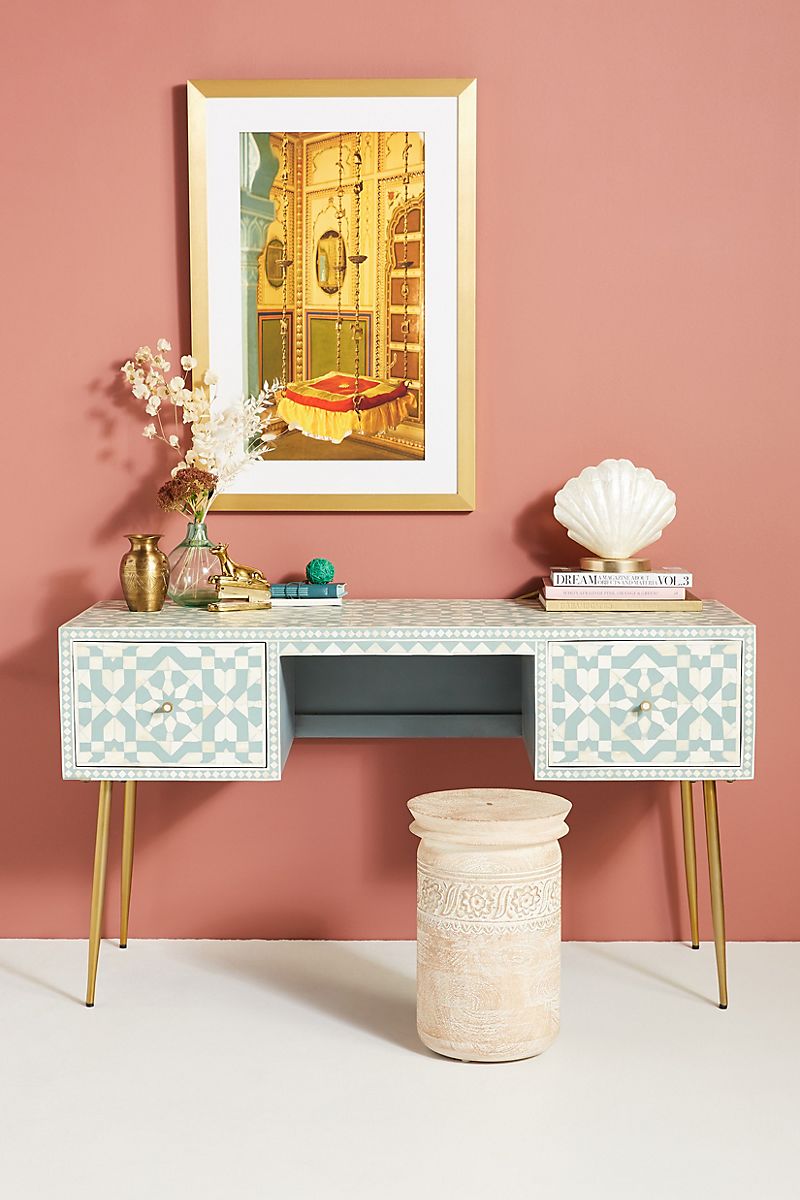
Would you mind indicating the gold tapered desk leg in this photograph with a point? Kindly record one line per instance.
(715, 876)
(98, 886)
(690, 859)
(128, 829)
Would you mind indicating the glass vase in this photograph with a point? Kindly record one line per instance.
(190, 565)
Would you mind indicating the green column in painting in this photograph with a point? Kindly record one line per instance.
(257, 169)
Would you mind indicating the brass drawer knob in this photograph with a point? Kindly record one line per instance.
(645, 706)
(166, 707)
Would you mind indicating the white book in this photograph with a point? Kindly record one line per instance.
(670, 577)
(324, 602)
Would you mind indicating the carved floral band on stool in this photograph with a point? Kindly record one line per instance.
(488, 921)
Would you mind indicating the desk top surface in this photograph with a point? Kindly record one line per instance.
(387, 616)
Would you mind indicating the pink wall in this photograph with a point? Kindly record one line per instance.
(639, 266)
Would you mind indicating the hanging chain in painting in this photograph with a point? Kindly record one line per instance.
(406, 262)
(286, 263)
(357, 259)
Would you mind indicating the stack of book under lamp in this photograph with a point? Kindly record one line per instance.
(667, 590)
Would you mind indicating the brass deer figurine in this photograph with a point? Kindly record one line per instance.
(228, 569)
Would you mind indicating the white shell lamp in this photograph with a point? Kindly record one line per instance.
(615, 509)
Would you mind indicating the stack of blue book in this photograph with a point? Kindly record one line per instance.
(307, 595)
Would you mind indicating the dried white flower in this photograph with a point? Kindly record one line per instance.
(196, 405)
(222, 443)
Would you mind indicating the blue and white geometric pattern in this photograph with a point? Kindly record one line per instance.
(165, 705)
(693, 713)
(379, 619)
(693, 692)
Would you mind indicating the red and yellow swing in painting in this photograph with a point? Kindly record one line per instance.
(333, 406)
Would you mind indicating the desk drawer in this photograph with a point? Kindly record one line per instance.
(165, 704)
(595, 690)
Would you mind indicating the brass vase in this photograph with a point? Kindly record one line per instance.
(144, 573)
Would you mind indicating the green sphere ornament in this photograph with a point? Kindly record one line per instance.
(320, 570)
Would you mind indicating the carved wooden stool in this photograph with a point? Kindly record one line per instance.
(488, 921)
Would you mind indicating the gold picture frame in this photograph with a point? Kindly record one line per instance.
(459, 495)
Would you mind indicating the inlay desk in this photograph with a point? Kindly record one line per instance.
(188, 694)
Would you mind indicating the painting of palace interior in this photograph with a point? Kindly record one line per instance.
(333, 286)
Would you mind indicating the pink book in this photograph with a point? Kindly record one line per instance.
(552, 592)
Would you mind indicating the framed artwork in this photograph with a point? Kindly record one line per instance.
(333, 265)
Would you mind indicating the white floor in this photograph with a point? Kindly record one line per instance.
(291, 1071)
